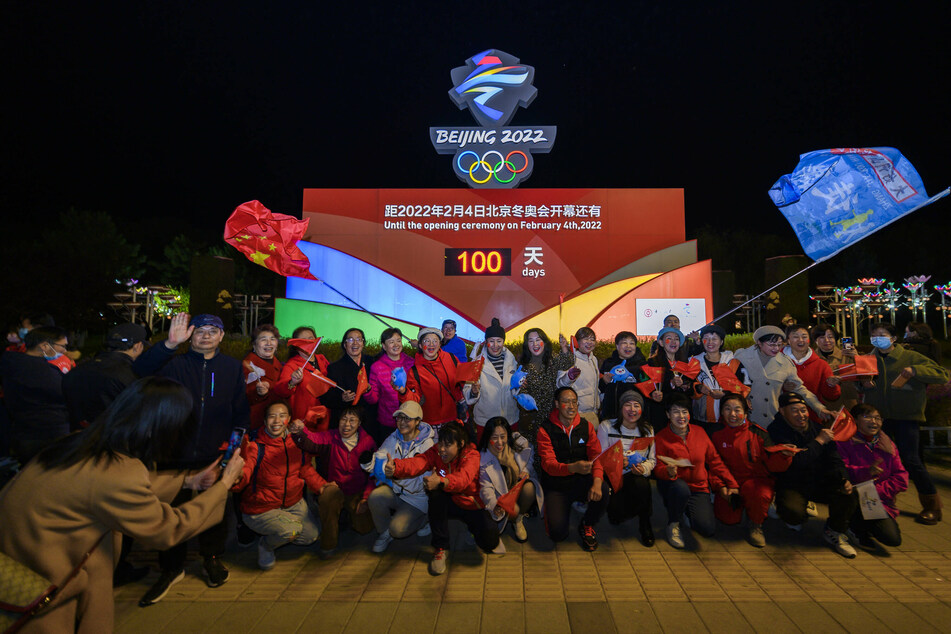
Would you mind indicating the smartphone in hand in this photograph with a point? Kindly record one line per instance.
(237, 435)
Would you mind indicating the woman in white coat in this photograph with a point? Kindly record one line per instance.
(771, 373)
(492, 394)
(506, 458)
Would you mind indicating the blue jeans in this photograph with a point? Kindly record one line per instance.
(906, 434)
(680, 500)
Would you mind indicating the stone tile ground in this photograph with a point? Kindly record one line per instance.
(717, 585)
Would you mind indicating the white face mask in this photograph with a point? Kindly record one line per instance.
(882, 343)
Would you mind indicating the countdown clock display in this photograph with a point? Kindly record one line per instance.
(485, 262)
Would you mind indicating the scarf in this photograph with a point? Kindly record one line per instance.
(497, 362)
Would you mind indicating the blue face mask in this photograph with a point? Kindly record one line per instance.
(21, 332)
(882, 343)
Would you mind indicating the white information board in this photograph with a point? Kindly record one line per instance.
(651, 312)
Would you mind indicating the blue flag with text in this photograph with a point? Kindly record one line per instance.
(836, 197)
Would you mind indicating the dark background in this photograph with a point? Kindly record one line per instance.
(166, 115)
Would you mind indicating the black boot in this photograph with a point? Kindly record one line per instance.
(647, 533)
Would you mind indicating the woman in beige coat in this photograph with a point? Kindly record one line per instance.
(100, 482)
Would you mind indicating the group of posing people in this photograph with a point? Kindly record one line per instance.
(403, 444)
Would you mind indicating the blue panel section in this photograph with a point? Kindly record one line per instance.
(372, 288)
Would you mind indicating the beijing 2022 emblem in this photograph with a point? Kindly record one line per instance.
(492, 85)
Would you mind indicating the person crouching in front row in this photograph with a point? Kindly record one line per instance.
(272, 487)
(568, 446)
(507, 459)
(453, 489)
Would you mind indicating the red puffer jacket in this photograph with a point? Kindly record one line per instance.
(743, 450)
(272, 376)
(698, 449)
(280, 479)
(462, 474)
(436, 391)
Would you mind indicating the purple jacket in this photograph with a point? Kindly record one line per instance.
(859, 456)
(383, 394)
(337, 463)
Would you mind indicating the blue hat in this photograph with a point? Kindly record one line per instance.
(664, 331)
(207, 320)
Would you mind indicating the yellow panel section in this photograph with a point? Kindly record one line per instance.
(578, 311)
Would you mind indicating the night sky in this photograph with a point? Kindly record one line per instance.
(167, 115)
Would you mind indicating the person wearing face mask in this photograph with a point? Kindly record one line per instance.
(825, 340)
(344, 373)
(33, 392)
(272, 487)
(685, 488)
(453, 489)
(432, 380)
(871, 455)
(771, 373)
(342, 455)
(707, 391)
(267, 388)
(383, 394)
(816, 473)
(584, 377)
(634, 498)
(399, 507)
(626, 352)
(506, 458)
(492, 395)
(814, 372)
(903, 408)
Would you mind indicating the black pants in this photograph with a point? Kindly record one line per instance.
(791, 506)
(906, 434)
(884, 530)
(558, 499)
(478, 521)
(211, 543)
(633, 500)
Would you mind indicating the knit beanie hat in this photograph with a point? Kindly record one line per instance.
(495, 330)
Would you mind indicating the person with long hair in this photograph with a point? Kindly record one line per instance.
(634, 497)
(542, 369)
(98, 483)
(506, 459)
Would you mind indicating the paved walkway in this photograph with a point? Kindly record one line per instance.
(718, 585)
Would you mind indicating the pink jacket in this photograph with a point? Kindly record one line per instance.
(859, 456)
(336, 462)
(386, 398)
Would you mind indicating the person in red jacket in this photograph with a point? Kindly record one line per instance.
(304, 405)
(341, 454)
(568, 447)
(272, 488)
(686, 460)
(266, 388)
(453, 489)
(814, 371)
(742, 446)
(432, 380)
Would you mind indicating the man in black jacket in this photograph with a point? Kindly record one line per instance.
(217, 384)
(817, 473)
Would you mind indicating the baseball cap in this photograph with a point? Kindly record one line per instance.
(126, 335)
(207, 320)
(409, 409)
(789, 398)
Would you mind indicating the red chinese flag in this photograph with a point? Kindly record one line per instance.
(612, 461)
(317, 384)
(690, 369)
(470, 371)
(863, 367)
(728, 381)
(843, 427)
(507, 501)
(642, 444)
(306, 345)
(269, 239)
(656, 375)
(646, 387)
(778, 448)
(362, 384)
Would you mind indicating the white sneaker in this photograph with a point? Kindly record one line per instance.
(772, 513)
(382, 542)
(811, 509)
(521, 534)
(500, 549)
(839, 542)
(440, 563)
(266, 557)
(793, 527)
(425, 531)
(756, 537)
(673, 535)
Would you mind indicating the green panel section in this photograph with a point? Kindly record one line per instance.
(332, 321)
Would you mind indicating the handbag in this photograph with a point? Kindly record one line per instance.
(24, 592)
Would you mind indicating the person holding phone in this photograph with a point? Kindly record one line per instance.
(88, 487)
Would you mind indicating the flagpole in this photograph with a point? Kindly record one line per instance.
(937, 196)
(361, 307)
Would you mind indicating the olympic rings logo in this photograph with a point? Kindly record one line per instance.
(482, 164)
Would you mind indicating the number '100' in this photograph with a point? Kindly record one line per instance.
(480, 262)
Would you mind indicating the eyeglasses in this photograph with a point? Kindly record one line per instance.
(353, 340)
(402, 418)
(872, 417)
(774, 344)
